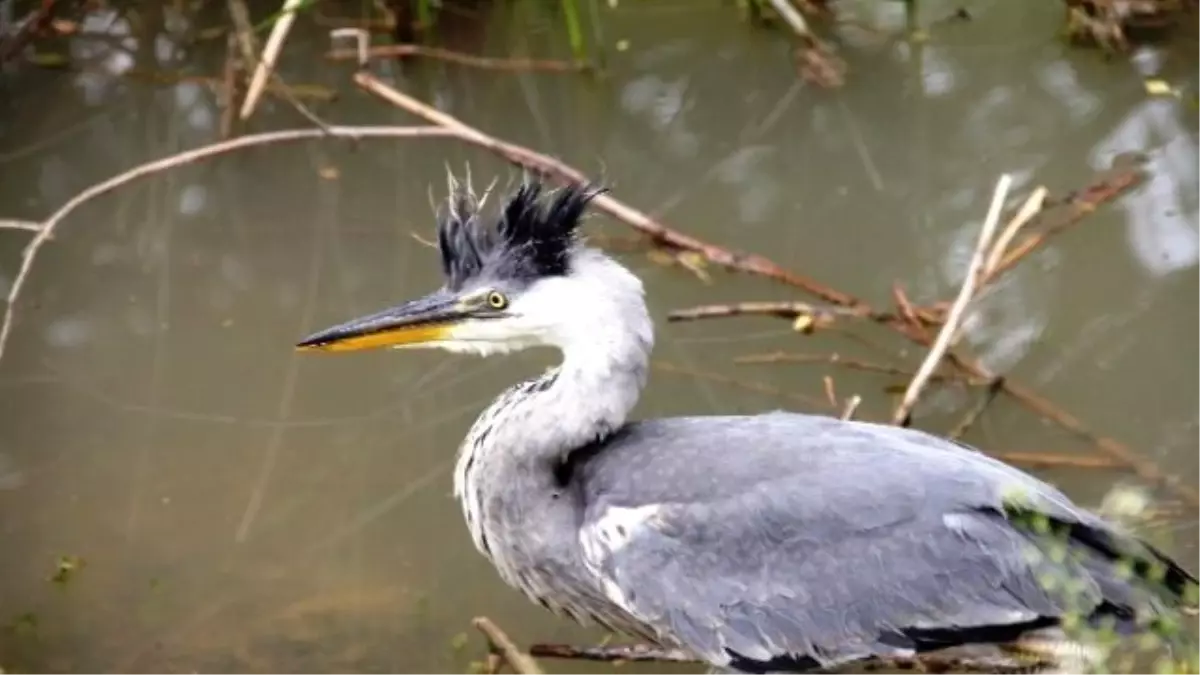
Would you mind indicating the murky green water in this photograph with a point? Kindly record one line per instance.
(239, 507)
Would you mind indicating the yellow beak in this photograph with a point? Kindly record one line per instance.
(428, 319)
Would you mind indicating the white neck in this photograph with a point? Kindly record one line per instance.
(605, 334)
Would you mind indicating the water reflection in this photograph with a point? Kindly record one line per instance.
(242, 509)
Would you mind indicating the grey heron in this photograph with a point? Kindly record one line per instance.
(771, 542)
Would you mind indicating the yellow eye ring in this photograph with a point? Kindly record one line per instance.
(496, 300)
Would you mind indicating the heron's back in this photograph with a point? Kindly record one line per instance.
(775, 535)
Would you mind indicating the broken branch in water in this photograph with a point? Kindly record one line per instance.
(500, 643)
(47, 227)
(949, 330)
(994, 387)
(1031, 207)
(462, 59)
(1127, 172)
(270, 54)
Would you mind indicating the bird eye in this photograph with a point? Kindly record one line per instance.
(496, 300)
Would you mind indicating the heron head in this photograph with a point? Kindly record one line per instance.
(513, 280)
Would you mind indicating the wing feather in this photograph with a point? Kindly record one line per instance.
(829, 545)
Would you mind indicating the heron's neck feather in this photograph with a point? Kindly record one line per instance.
(516, 444)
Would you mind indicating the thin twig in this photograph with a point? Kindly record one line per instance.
(784, 309)
(924, 662)
(50, 224)
(851, 406)
(1028, 210)
(1051, 460)
(994, 387)
(792, 18)
(20, 225)
(830, 391)
(518, 660)
(462, 59)
(958, 309)
(1125, 175)
(611, 653)
(264, 75)
(270, 55)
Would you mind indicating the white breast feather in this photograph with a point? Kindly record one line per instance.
(607, 535)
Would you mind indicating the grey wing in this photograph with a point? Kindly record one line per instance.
(736, 580)
(873, 553)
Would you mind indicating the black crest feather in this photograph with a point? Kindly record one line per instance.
(531, 237)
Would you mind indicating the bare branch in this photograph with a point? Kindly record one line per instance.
(958, 309)
(48, 226)
(500, 643)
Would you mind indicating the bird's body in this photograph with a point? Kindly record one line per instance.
(778, 541)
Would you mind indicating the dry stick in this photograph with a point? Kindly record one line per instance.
(958, 309)
(1031, 208)
(462, 59)
(518, 660)
(660, 233)
(20, 225)
(830, 391)
(994, 388)
(270, 55)
(924, 662)
(50, 224)
(851, 406)
(792, 17)
(270, 80)
(1079, 204)
(783, 309)
(1049, 460)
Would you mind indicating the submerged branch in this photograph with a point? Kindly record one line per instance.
(462, 59)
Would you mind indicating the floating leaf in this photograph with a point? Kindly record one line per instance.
(804, 323)
(1159, 88)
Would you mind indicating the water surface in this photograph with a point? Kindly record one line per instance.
(239, 507)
